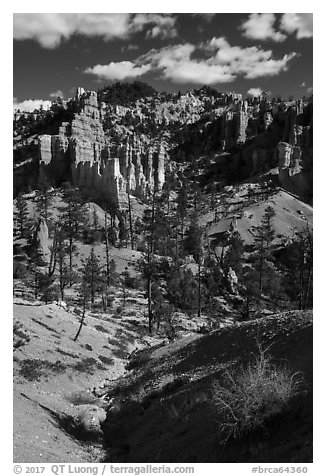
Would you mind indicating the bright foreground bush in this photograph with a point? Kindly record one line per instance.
(249, 396)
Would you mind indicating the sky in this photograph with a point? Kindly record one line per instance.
(54, 53)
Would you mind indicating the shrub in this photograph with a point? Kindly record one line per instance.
(20, 270)
(34, 369)
(137, 360)
(106, 360)
(20, 335)
(81, 397)
(119, 310)
(249, 396)
(101, 328)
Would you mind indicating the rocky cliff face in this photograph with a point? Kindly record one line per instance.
(109, 151)
(98, 165)
(263, 136)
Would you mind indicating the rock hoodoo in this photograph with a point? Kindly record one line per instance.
(96, 163)
(109, 150)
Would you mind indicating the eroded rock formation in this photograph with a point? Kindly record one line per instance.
(263, 136)
(96, 164)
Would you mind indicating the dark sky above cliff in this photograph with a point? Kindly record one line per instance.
(246, 53)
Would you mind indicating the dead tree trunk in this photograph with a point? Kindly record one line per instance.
(81, 321)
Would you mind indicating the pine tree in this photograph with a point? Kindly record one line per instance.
(72, 219)
(165, 228)
(193, 237)
(264, 235)
(44, 202)
(84, 294)
(182, 203)
(107, 259)
(21, 215)
(63, 268)
(234, 255)
(95, 220)
(148, 264)
(162, 311)
(123, 234)
(92, 276)
(182, 288)
(298, 273)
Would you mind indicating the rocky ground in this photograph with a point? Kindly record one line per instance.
(54, 377)
(162, 411)
(57, 415)
(117, 394)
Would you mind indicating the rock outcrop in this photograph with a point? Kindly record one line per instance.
(110, 150)
(292, 173)
(98, 165)
(261, 136)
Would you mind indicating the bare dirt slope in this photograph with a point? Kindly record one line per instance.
(291, 214)
(162, 412)
(54, 376)
(58, 382)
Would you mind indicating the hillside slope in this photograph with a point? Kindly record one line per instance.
(54, 377)
(162, 412)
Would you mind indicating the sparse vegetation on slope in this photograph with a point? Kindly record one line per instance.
(164, 411)
(244, 399)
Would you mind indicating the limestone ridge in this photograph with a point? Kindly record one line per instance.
(96, 164)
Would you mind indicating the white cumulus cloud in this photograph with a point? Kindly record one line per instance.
(158, 25)
(213, 62)
(118, 70)
(260, 26)
(255, 92)
(29, 105)
(250, 62)
(50, 29)
(175, 63)
(299, 23)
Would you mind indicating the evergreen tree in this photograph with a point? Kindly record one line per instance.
(212, 281)
(92, 232)
(72, 219)
(162, 312)
(63, 268)
(44, 202)
(46, 287)
(107, 259)
(251, 291)
(21, 215)
(148, 264)
(95, 220)
(298, 272)
(192, 242)
(123, 233)
(165, 229)
(182, 288)
(233, 257)
(92, 276)
(84, 293)
(264, 235)
(182, 203)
